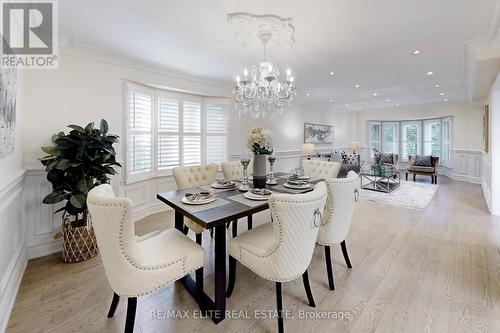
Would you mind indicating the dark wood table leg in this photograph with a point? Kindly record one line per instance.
(179, 221)
(220, 273)
(249, 222)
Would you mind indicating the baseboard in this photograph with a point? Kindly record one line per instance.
(42, 250)
(8, 296)
(487, 194)
(459, 177)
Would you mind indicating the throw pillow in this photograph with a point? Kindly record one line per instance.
(387, 158)
(423, 160)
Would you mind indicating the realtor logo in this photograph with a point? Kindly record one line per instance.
(29, 30)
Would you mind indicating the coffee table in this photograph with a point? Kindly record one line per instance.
(386, 181)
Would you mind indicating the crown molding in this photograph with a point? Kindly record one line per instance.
(482, 61)
(70, 46)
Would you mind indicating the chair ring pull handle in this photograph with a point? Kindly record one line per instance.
(356, 195)
(317, 213)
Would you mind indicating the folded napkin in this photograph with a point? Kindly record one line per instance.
(199, 195)
(261, 191)
(223, 182)
(297, 182)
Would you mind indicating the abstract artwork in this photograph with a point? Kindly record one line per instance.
(8, 85)
(314, 133)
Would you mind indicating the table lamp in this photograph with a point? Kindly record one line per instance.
(355, 146)
(308, 149)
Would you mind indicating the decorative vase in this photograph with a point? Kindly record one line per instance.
(79, 242)
(259, 171)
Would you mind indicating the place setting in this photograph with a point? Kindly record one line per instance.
(197, 201)
(296, 182)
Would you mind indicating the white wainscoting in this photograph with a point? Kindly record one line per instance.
(466, 165)
(41, 223)
(12, 239)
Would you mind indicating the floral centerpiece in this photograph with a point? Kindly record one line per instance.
(260, 142)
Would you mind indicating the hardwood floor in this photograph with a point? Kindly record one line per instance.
(432, 271)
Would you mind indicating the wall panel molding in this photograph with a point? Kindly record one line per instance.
(12, 242)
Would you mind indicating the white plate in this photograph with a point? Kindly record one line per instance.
(198, 202)
(223, 187)
(297, 187)
(249, 195)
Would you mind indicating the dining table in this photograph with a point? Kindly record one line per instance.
(230, 206)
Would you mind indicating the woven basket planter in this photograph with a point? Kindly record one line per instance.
(79, 242)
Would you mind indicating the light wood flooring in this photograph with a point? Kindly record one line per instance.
(432, 271)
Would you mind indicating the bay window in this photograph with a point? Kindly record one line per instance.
(165, 129)
(412, 137)
(375, 136)
(390, 138)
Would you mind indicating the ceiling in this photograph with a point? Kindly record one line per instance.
(368, 43)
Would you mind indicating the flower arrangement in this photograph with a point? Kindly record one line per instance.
(260, 141)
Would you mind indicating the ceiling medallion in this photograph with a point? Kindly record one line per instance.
(260, 93)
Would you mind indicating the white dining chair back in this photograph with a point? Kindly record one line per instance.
(233, 170)
(196, 175)
(321, 169)
(339, 209)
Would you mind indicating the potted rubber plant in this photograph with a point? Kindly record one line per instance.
(75, 163)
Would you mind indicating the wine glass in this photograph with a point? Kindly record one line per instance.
(271, 180)
(245, 160)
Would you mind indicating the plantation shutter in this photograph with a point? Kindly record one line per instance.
(191, 144)
(140, 136)
(168, 133)
(216, 120)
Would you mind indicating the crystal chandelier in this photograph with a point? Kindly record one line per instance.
(260, 93)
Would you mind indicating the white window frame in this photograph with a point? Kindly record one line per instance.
(421, 140)
(137, 176)
(370, 124)
(214, 100)
(383, 126)
(181, 97)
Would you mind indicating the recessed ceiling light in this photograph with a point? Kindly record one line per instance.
(308, 94)
(331, 100)
(356, 86)
(332, 73)
(429, 73)
(375, 94)
(397, 104)
(359, 109)
(441, 94)
(387, 100)
(436, 86)
(416, 52)
(446, 99)
(347, 105)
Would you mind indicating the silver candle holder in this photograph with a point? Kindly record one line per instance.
(245, 161)
(271, 180)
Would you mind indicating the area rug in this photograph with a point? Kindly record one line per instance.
(409, 195)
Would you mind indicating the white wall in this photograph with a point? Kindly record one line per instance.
(467, 122)
(491, 183)
(12, 230)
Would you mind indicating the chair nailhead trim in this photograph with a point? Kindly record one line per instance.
(129, 260)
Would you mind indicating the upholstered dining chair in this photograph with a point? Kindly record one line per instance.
(193, 176)
(337, 218)
(138, 266)
(282, 250)
(320, 168)
(233, 170)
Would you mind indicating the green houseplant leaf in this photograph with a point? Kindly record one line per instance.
(76, 162)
